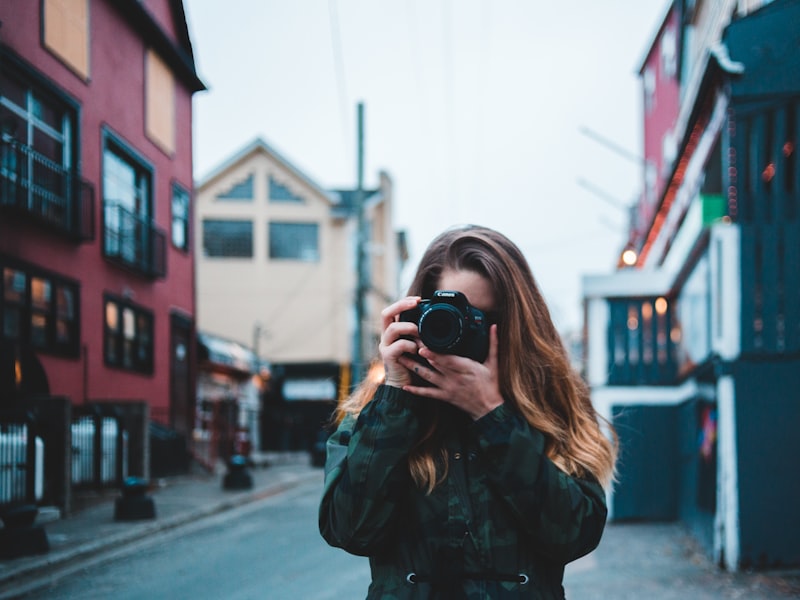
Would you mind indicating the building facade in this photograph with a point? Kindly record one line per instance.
(693, 350)
(97, 288)
(276, 271)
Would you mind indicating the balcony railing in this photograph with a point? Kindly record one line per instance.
(134, 241)
(33, 185)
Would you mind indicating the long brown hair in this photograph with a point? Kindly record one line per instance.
(535, 373)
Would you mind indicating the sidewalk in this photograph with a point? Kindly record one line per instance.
(178, 500)
(661, 561)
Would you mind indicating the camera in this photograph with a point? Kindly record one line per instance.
(449, 325)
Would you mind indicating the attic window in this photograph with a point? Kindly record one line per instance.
(239, 191)
(280, 193)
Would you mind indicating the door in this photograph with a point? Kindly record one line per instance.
(181, 405)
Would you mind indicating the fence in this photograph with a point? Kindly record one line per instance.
(21, 459)
(99, 448)
(50, 449)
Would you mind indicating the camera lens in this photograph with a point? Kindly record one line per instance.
(440, 327)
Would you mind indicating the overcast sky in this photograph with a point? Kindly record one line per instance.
(477, 109)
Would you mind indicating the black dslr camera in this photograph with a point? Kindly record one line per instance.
(449, 325)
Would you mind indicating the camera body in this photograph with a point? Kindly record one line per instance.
(448, 324)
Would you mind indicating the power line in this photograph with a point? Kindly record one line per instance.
(616, 148)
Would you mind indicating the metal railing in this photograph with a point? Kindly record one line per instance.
(34, 185)
(99, 450)
(134, 241)
(21, 460)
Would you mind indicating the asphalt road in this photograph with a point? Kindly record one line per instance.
(270, 549)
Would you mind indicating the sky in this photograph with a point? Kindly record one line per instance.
(505, 113)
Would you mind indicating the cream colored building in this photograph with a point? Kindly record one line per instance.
(276, 257)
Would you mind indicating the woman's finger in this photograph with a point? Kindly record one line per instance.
(390, 313)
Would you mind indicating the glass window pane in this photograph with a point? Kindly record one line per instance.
(180, 217)
(11, 322)
(14, 285)
(40, 293)
(298, 241)
(65, 303)
(112, 316)
(128, 324)
(228, 238)
(63, 331)
(38, 330)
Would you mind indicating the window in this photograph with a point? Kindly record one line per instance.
(66, 32)
(281, 193)
(232, 239)
(37, 145)
(160, 102)
(38, 308)
(242, 190)
(127, 208)
(641, 341)
(128, 336)
(180, 218)
(296, 241)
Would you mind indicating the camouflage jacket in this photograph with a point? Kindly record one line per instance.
(502, 524)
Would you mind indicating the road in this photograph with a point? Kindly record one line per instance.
(270, 549)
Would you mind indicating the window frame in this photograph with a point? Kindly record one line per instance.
(185, 220)
(117, 336)
(143, 198)
(215, 255)
(298, 256)
(70, 348)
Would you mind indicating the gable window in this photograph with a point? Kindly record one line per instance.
(39, 309)
(294, 241)
(180, 218)
(228, 238)
(65, 29)
(130, 236)
(281, 193)
(242, 190)
(128, 339)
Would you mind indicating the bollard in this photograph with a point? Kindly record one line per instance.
(237, 477)
(20, 536)
(134, 503)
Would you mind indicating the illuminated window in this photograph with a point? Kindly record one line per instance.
(128, 336)
(39, 309)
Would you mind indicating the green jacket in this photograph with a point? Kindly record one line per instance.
(502, 525)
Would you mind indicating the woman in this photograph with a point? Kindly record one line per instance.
(468, 479)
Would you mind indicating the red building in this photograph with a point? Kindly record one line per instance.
(661, 96)
(97, 289)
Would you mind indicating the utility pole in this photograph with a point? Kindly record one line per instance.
(361, 275)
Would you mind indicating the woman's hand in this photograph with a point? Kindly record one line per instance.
(467, 384)
(398, 338)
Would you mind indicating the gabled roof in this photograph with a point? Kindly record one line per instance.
(179, 56)
(259, 145)
(662, 22)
